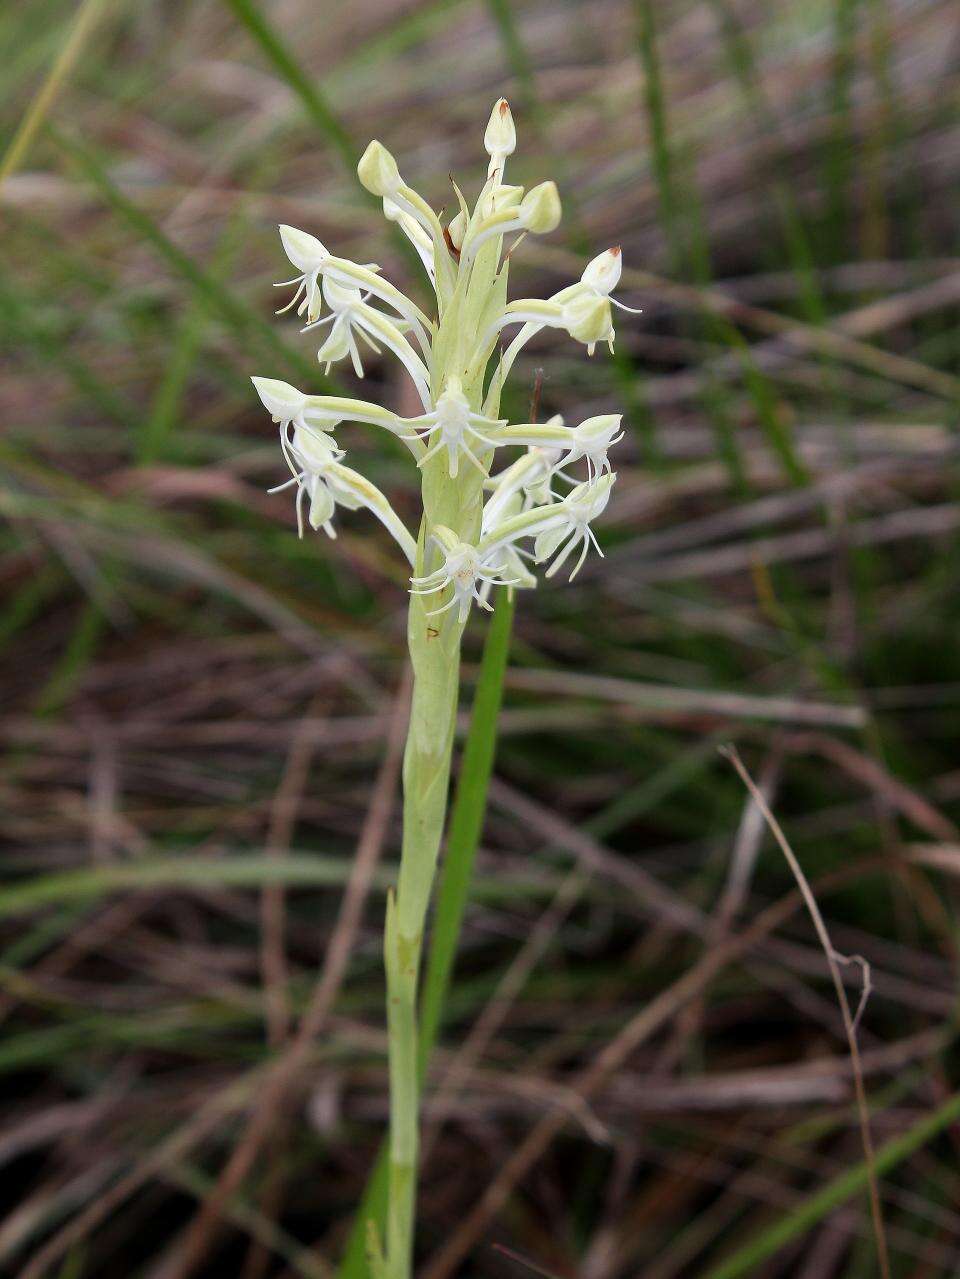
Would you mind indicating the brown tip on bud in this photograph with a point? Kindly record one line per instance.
(504, 106)
(615, 250)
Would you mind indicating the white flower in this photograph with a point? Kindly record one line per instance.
(523, 519)
(349, 311)
(591, 441)
(309, 256)
(309, 456)
(581, 506)
(583, 313)
(314, 261)
(600, 277)
(465, 570)
(288, 406)
(456, 427)
(314, 463)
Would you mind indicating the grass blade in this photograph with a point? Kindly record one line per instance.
(836, 1192)
(317, 107)
(243, 320)
(86, 20)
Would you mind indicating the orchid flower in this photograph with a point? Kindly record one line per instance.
(456, 428)
(464, 570)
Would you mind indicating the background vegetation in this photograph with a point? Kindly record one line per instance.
(641, 1067)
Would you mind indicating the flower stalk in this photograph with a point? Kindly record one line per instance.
(478, 528)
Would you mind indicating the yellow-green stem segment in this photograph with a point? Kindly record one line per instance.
(434, 643)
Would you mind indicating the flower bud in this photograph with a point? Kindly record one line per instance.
(540, 209)
(505, 197)
(500, 138)
(456, 229)
(587, 318)
(378, 170)
(603, 273)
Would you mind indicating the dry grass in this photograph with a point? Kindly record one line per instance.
(642, 1069)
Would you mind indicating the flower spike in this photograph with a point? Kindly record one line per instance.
(521, 518)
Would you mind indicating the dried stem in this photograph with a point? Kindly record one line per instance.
(850, 1020)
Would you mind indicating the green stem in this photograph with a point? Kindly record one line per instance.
(434, 642)
(435, 654)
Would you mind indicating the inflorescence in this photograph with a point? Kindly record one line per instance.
(525, 521)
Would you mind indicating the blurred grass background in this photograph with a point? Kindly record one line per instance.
(201, 715)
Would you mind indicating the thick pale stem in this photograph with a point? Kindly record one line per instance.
(435, 653)
(434, 643)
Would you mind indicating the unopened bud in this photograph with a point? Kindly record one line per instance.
(540, 209)
(456, 229)
(500, 138)
(378, 170)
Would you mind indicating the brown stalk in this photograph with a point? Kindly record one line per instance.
(850, 1020)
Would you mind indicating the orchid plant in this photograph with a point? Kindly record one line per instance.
(478, 529)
